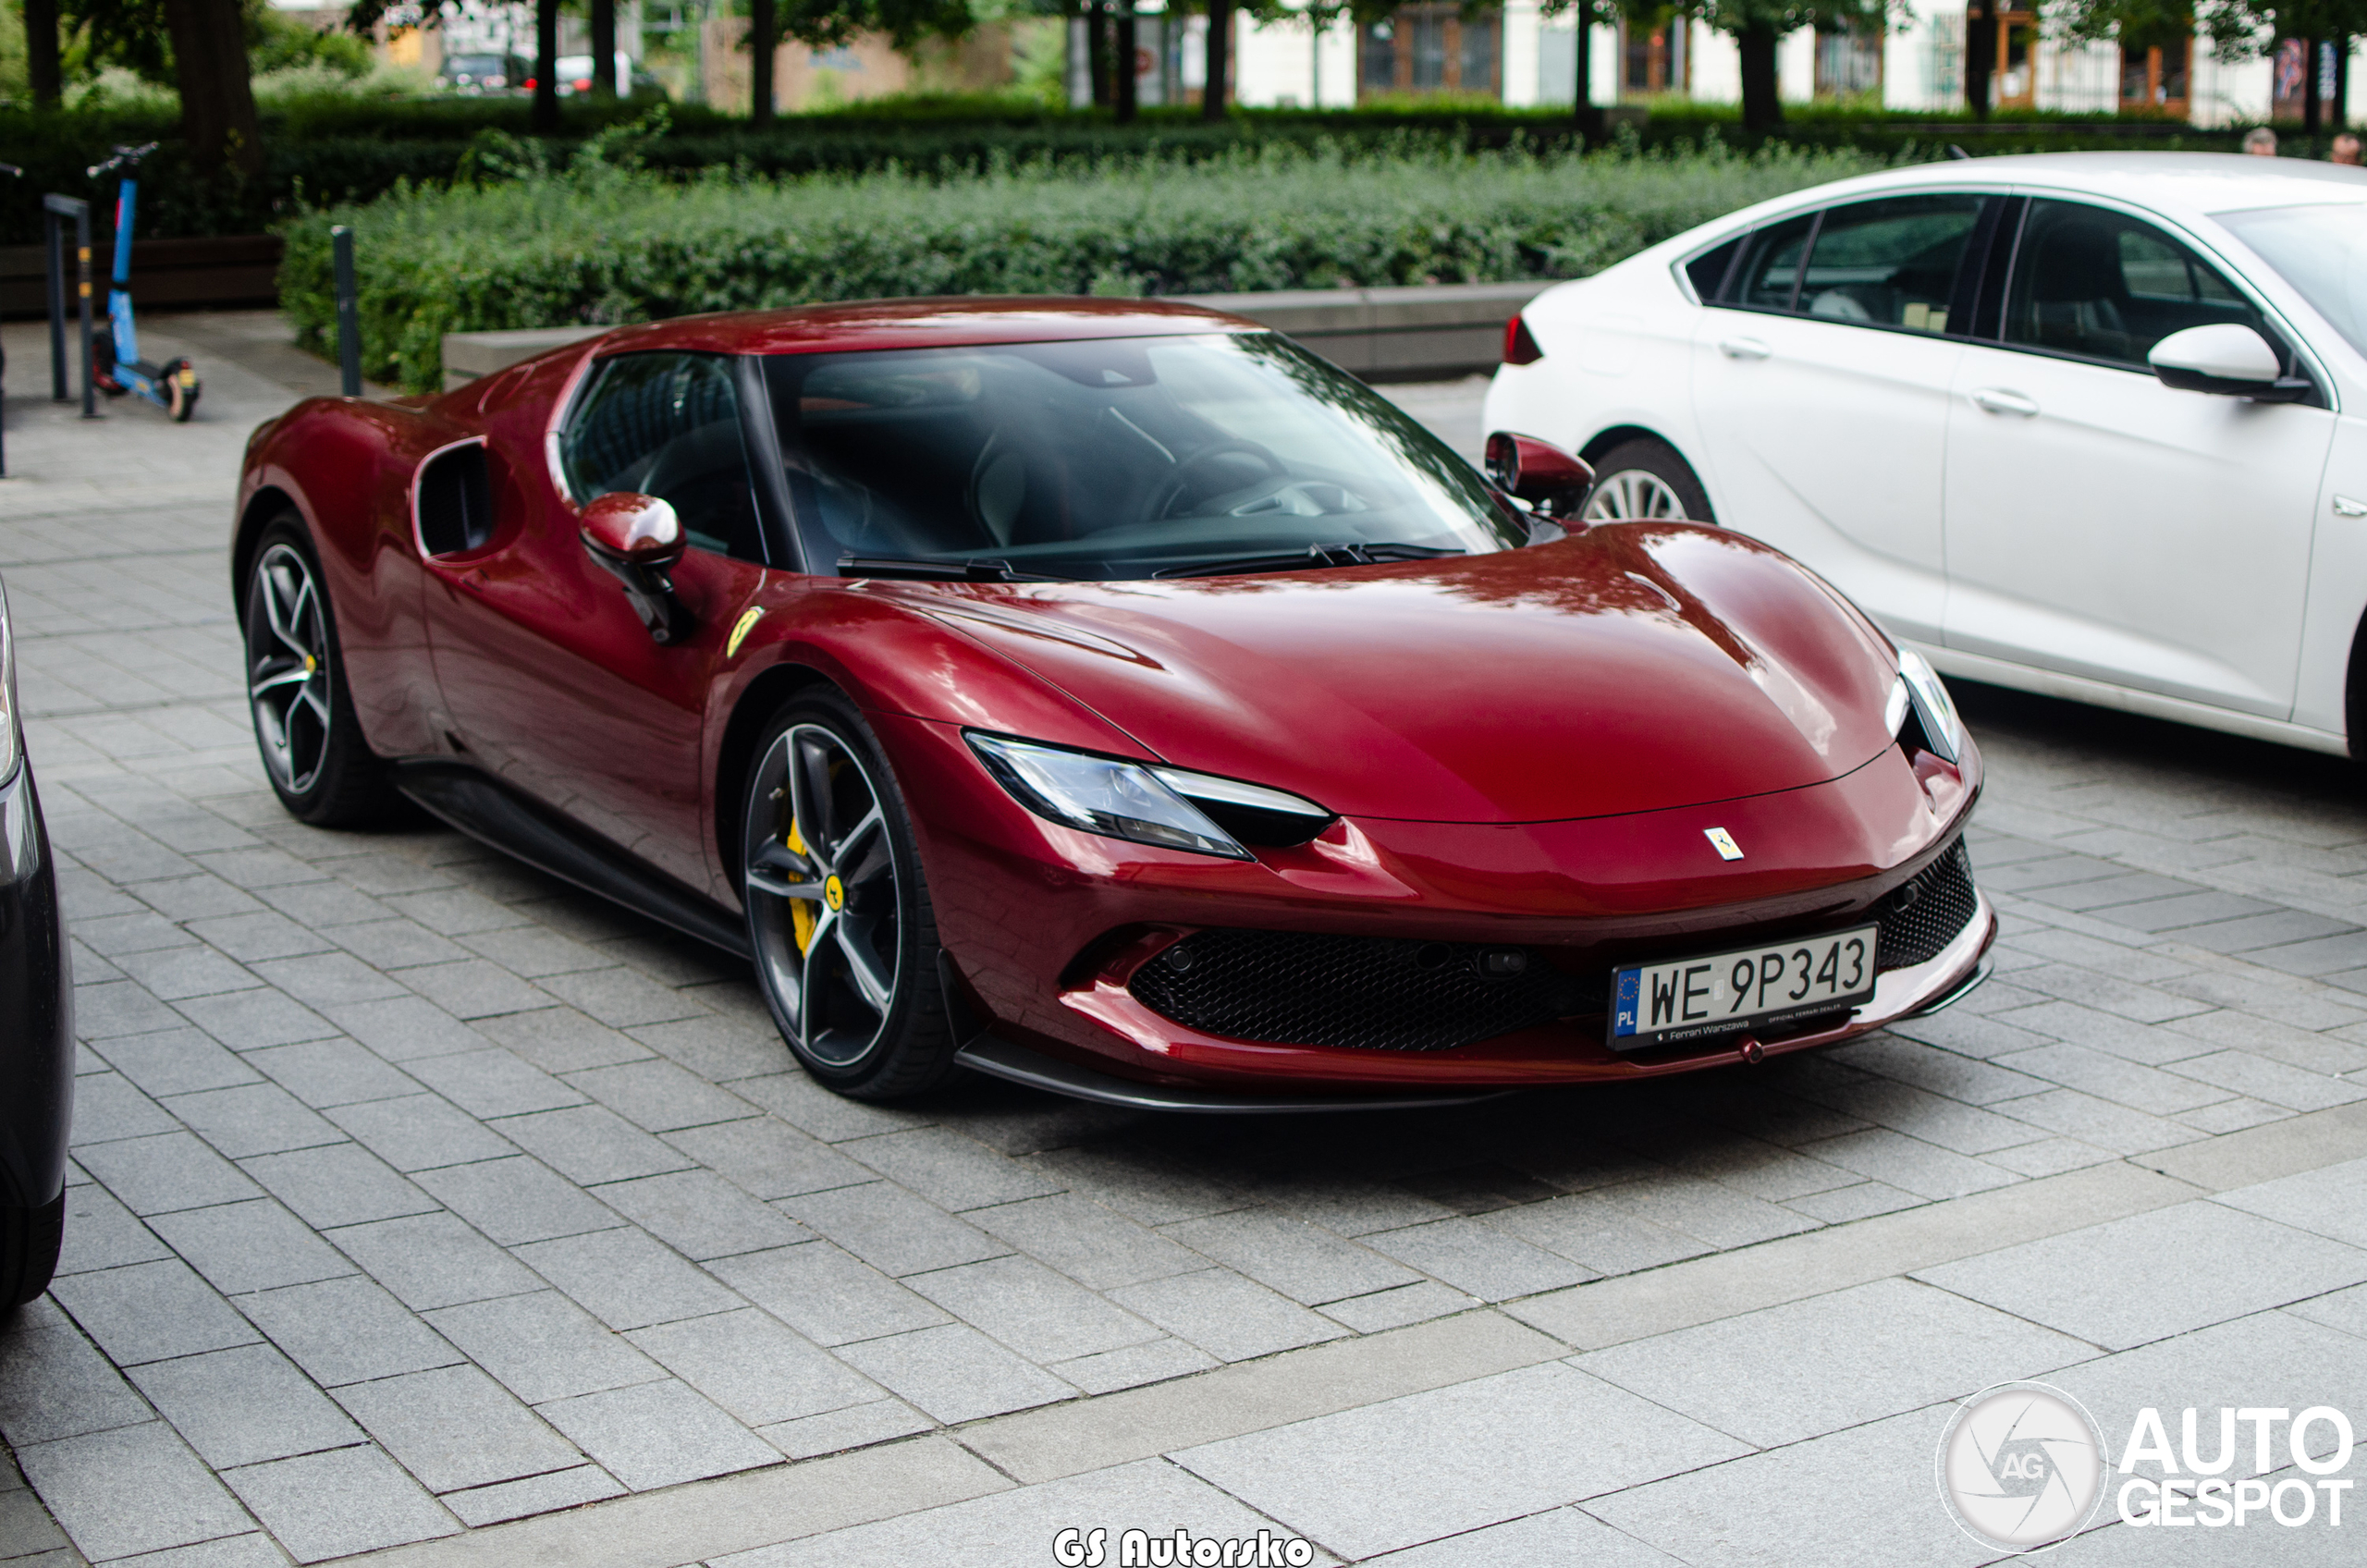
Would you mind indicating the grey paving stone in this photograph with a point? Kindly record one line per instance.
(493, 1082)
(1851, 1356)
(826, 1296)
(197, 900)
(768, 1159)
(536, 1494)
(956, 1373)
(857, 1427)
(395, 944)
(175, 974)
(660, 1097)
(433, 1260)
(627, 1279)
(178, 1061)
(543, 1347)
(2099, 1122)
(2183, 913)
(718, 1048)
(2139, 1003)
(813, 1109)
(752, 1366)
(559, 1039)
(119, 935)
(591, 1143)
(421, 1132)
(702, 1215)
(255, 1245)
(1475, 1256)
(118, 1007)
(1869, 1198)
(1231, 1318)
(150, 1311)
(1912, 1165)
(341, 1184)
(2098, 1031)
(406, 1028)
(243, 1020)
(2245, 1073)
(53, 1384)
(321, 904)
(102, 1234)
(28, 1536)
(2110, 1077)
(1716, 1213)
(659, 1435)
(2130, 1282)
(1311, 1266)
(1149, 1188)
(1417, 1303)
(253, 1119)
(1085, 1241)
(892, 1229)
(454, 911)
(130, 1490)
(107, 1108)
(1559, 1535)
(257, 933)
(331, 1072)
(2276, 928)
(1415, 1468)
(1131, 1366)
(518, 1199)
(347, 1331)
(533, 951)
(1042, 1315)
(1599, 1232)
(334, 1505)
(2331, 1202)
(619, 998)
(947, 1169)
(243, 1406)
(1968, 1033)
(472, 988)
(1341, 1206)
(2233, 1116)
(2317, 955)
(456, 1427)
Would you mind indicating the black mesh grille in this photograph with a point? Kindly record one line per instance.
(1917, 928)
(1292, 989)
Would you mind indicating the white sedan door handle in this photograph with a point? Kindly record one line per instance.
(1997, 400)
(1744, 349)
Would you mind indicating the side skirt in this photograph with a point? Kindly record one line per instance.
(487, 809)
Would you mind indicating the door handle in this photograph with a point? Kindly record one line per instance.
(1744, 349)
(1997, 400)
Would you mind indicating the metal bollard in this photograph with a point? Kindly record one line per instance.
(349, 312)
(55, 210)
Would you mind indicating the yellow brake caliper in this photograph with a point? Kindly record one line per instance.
(801, 911)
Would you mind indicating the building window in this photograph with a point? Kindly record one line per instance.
(2154, 69)
(1848, 62)
(1652, 57)
(2013, 70)
(1433, 48)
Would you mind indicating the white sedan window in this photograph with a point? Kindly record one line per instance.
(2102, 285)
(2321, 251)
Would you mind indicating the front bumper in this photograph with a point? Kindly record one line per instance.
(36, 1005)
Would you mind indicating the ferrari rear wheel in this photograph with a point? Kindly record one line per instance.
(837, 913)
(320, 767)
(1646, 481)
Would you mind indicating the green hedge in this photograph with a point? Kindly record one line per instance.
(601, 244)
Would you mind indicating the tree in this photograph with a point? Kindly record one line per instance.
(2239, 30)
(1758, 26)
(604, 48)
(201, 47)
(44, 74)
(1586, 16)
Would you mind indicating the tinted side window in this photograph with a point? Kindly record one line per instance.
(2104, 287)
(668, 425)
(1707, 271)
(1768, 273)
(1891, 262)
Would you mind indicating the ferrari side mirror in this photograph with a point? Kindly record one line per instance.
(1548, 477)
(637, 539)
(2227, 358)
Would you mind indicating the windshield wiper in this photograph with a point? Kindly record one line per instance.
(974, 571)
(1314, 556)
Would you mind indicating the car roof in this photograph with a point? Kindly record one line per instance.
(2204, 182)
(947, 321)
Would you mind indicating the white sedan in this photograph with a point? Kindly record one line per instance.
(2089, 424)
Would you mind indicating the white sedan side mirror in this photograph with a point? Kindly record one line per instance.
(2229, 359)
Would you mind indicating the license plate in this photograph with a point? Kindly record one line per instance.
(1661, 1004)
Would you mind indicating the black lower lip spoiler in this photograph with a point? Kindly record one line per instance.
(1017, 1064)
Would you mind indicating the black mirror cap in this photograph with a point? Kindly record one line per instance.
(2284, 389)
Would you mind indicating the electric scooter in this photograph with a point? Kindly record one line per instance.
(115, 347)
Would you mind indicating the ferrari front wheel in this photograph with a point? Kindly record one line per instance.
(838, 915)
(320, 767)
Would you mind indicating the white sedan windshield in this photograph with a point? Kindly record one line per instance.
(2321, 250)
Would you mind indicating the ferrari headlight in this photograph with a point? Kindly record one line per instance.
(1919, 694)
(1146, 802)
(11, 748)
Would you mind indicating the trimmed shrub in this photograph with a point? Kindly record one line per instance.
(600, 244)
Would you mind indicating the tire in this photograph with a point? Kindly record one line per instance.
(179, 401)
(319, 765)
(29, 1243)
(831, 867)
(1638, 480)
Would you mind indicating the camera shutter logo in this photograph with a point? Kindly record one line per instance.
(2021, 1466)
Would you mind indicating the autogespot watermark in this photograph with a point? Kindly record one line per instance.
(2022, 1467)
(1075, 1548)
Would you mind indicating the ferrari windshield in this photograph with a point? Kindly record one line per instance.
(2321, 251)
(1114, 458)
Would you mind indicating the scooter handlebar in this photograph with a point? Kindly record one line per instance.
(123, 156)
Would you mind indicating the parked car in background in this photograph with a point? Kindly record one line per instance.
(36, 1018)
(575, 75)
(482, 74)
(1115, 697)
(2085, 423)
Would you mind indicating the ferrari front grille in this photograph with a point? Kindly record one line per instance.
(1290, 987)
(1927, 914)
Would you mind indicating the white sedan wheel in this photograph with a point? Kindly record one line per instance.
(1633, 495)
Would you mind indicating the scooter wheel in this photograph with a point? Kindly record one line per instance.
(180, 391)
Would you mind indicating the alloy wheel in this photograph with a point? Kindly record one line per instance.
(1633, 495)
(288, 668)
(824, 901)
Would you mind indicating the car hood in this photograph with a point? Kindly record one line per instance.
(1630, 668)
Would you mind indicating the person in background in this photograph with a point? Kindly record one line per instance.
(2261, 141)
(2346, 150)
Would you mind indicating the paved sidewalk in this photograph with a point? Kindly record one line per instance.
(425, 1207)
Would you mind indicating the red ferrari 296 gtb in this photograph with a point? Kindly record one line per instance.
(1111, 696)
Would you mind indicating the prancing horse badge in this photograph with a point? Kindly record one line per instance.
(1724, 842)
